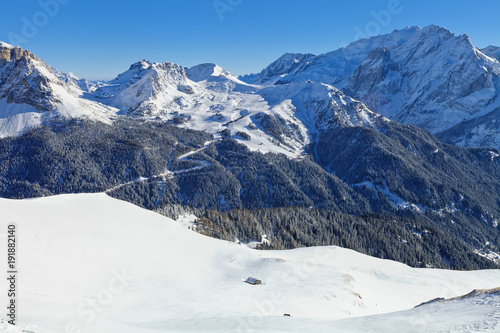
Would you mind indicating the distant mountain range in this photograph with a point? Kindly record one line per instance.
(424, 77)
(372, 128)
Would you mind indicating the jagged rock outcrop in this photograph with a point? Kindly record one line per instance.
(25, 79)
(31, 92)
(147, 89)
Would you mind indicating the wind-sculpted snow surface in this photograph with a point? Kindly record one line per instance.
(96, 264)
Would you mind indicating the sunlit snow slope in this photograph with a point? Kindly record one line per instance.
(90, 263)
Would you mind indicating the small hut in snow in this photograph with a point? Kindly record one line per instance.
(253, 281)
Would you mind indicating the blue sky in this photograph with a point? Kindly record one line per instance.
(99, 39)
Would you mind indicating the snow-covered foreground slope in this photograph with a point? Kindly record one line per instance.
(90, 263)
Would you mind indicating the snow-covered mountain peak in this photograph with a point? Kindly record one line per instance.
(437, 30)
(141, 68)
(134, 73)
(397, 37)
(5, 45)
(147, 88)
(31, 91)
(205, 71)
(427, 77)
(143, 64)
(77, 85)
(434, 80)
(284, 65)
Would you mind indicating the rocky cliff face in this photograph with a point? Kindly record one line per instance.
(25, 79)
(32, 92)
(435, 80)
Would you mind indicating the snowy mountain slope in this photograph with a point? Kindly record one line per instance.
(479, 313)
(492, 52)
(435, 80)
(97, 264)
(425, 77)
(79, 86)
(147, 89)
(321, 107)
(278, 69)
(30, 91)
(481, 131)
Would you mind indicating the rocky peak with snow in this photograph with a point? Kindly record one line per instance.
(434, 80)
(274, 72)
(426, 77)
(205, 71)
(79, 86)
(25, 79)
(146, 88)
(31, 91)
(5, 45)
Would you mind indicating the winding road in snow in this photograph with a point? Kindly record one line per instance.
(168, 173)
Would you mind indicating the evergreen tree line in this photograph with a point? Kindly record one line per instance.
(410, 241)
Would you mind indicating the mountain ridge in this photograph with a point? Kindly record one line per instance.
(426, 77)
(31, 92)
